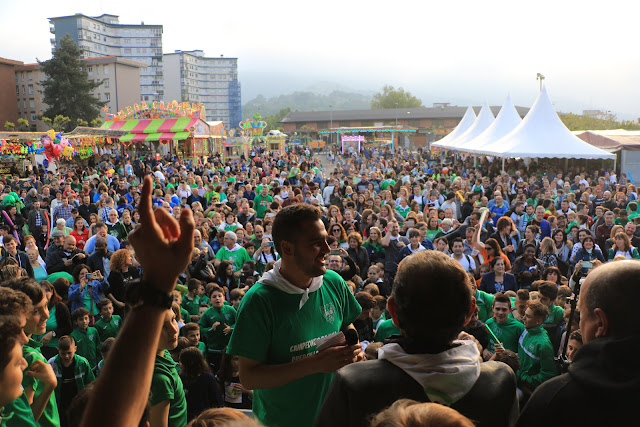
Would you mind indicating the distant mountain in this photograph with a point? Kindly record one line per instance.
(307, 101)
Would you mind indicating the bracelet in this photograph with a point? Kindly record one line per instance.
(142, 293)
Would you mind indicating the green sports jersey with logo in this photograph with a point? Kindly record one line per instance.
(216, 339)
(31, 352)
(508, 333)
(167, 385)
(273, 329)
(108, 329)
(88, 344)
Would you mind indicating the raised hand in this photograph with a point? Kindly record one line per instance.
(163, 247)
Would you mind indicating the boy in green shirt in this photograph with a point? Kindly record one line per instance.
(548, 293)
(108, 324)
(191, 301)
(177, 299)
(216, 325)
(385, 330)
(191, 331)
(535, 350)
(167, 400)
(86, 338)
(72, 372)
(507, 329)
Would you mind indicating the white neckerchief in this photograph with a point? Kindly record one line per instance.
(274, 278)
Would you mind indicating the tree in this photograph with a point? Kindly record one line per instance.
(23, 125)
(10, 126)
(81, 122)
(272, 120)
(577, 122)
(96, 123)
(67, 89)
(392, 98)
(59, 122)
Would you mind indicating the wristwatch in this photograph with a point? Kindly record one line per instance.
(141, 293)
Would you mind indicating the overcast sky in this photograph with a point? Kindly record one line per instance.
(457, 51)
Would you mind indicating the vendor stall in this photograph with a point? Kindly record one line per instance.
(17, 152)
(376, 136)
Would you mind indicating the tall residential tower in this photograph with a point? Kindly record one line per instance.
(103, 35)
(189, 76)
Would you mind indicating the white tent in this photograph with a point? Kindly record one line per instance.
(506, 121)
(483, 121)
(466, 122)
(542, 134)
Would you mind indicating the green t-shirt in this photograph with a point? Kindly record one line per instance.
(553, 321)
(385, 330)
(216, 340)
(18, 413)
(261, 204)
(52, 325)
(508, 333)
(191, 305)
(186, 317)
(403, 211)
(273, 329)
(238, 256)
(108, 329)
(31, 352)
(167, 385)
(88, 344)
(484, 302)
(387, 182)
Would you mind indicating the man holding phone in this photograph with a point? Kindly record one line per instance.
(282, 318)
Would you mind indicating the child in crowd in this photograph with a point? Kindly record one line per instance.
(191, 301)
(216, 325)
(191, 331)
(235, 297)
(235, 394)
(73, 373)
(184, 314)
(378, 312)
(86, 338)
(104, 349)
(108, 324)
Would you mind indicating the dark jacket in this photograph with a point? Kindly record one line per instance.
(488, 283)
(361, 390)
(361, 258)
(602, 387)
(95, 262)
(55, 261)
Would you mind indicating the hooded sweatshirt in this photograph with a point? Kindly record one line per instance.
(446, 377)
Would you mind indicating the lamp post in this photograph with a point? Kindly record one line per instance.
(331, 122)
(396, 114)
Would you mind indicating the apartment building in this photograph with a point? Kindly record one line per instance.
(189, 76)
(103, 35)
(120, 86)
(9, 104)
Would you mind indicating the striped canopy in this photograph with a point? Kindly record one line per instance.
(153, 130)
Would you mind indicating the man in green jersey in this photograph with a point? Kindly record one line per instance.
(284, 317)
(232, 252)
(262, 201)
(505, 328)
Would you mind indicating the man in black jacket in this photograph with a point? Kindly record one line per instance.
(602, 386)
(100, 259)
(431, 301)
(66, 258)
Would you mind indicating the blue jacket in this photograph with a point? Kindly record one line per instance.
(112, 244)
(77, 296)
(488, 283)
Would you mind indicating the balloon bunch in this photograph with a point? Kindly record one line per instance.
(55, 145)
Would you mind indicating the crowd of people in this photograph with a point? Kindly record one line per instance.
(231, 288)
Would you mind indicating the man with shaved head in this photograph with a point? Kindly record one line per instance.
(602, 385)
(66, 258)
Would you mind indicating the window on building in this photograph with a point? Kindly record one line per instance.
(90, 70)
(105, 83)
(17, 90)
(107, 97)
(24, 90)
(437, 123)
(127, 51)
(32, 103)
(106, 69)
(30, 89)
(33, 116)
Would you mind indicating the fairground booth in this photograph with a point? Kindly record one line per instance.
(18, 152)
(355, 139)
(179, 128)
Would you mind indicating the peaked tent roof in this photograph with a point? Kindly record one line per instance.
(465, 123)
(542, 134)
(483, 121)
(506, 121)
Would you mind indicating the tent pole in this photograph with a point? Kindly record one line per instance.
(566, 165)
(615, 160)
(503, 164)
